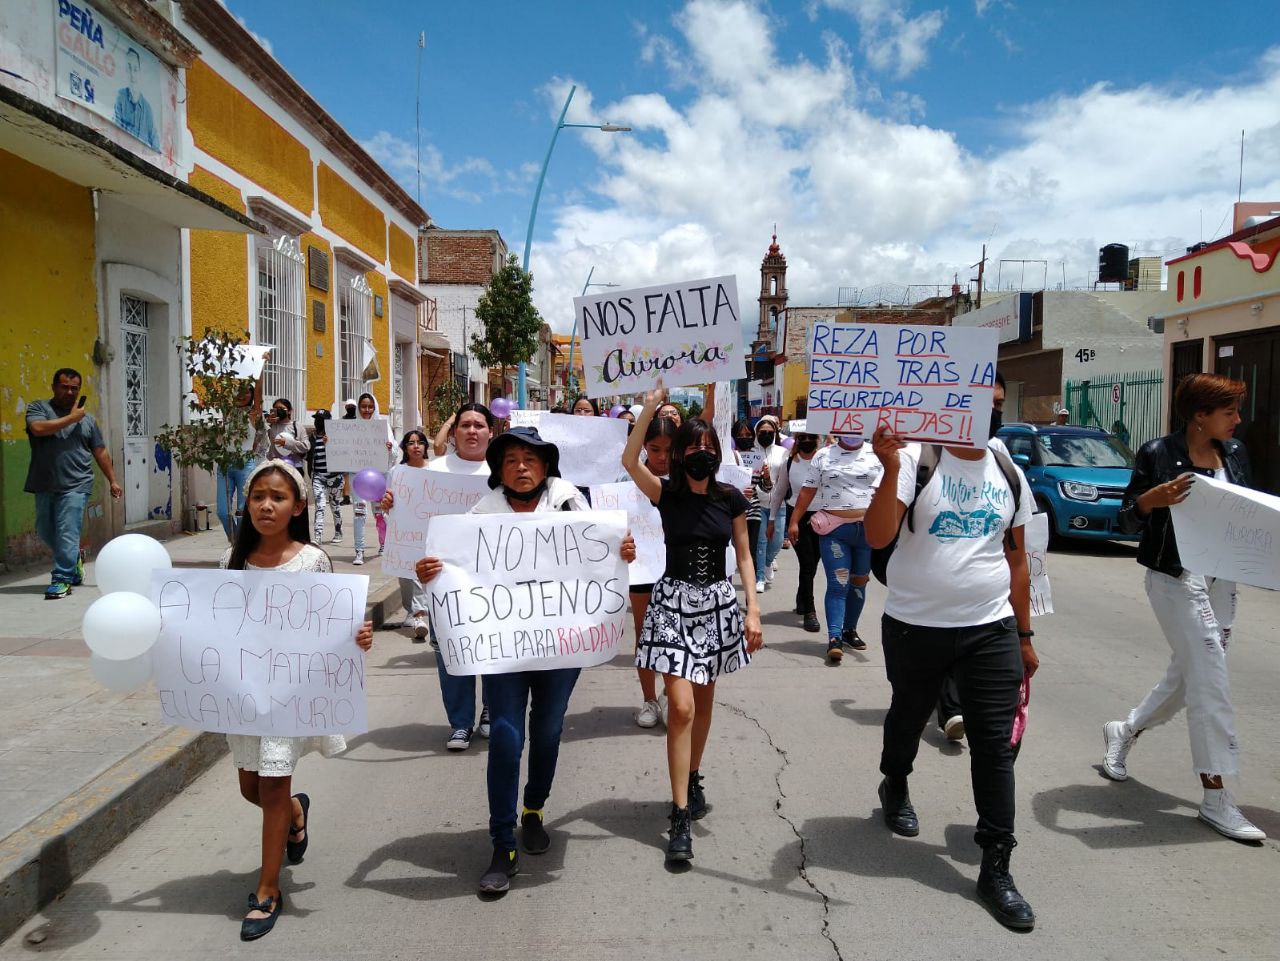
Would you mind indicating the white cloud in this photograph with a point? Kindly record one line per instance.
(862, 195)
(470, 180)
(891, 39)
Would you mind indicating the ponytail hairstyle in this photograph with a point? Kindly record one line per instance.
(247, 536)
(470, 407)
(692, 433)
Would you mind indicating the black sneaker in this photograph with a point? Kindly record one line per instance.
(504, 866)
(680, 847)
(533, 835)
(811, 623)
(835, 653)
(698, 807)
(853, 641)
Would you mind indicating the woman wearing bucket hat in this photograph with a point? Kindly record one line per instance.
(525, 474)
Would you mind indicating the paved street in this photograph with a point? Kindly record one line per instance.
(792, 862)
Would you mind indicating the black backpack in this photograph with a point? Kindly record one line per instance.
(929, 456)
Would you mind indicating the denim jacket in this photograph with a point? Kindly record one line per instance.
(1159, 461)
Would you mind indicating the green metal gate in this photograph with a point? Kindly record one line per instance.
(1127, 405)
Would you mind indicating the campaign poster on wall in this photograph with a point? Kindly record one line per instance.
(105, 70)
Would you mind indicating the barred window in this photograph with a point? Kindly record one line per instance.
(355, 320)
(281, 320)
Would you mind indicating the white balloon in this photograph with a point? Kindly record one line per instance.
(121, 676)
(126, 563)
(121, 626)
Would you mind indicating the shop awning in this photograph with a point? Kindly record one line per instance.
(80, 154)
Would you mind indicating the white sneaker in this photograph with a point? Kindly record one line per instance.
(954, 728)
(759, 587)
(336, 539)
(649, 714)
(420, 626)
(662, 708)
(359, 558)
(1119, 739)
(1219, 811)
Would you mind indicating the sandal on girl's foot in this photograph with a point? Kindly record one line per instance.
(253, 928)
(294, 850)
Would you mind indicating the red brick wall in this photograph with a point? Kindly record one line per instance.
(457, 260)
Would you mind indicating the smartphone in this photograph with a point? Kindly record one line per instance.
(81, 401)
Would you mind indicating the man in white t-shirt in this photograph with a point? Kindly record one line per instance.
(959, 603)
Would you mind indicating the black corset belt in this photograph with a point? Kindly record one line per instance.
(700, 563)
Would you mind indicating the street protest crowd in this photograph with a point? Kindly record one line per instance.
(520, 544)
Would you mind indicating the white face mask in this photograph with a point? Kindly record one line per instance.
(850, 444)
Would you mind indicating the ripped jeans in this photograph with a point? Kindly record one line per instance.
(846, 556)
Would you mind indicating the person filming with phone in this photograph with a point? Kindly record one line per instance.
(65, 439)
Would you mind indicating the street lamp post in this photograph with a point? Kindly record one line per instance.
(573, 337)
(537, 195)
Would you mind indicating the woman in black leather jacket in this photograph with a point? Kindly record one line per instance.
(1194, 611)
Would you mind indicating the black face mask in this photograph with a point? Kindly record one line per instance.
(525, 496)
(700, 465)
(742, 443)
(765, 437)
(997, 420)
(808, 445)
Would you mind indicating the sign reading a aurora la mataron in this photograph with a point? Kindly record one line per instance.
(686, 333)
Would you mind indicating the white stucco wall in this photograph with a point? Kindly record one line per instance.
(450, 299)
(1109, 327)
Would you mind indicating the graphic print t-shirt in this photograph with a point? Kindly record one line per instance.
(844, 479)
(951, 572)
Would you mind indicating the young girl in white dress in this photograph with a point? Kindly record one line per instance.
(275, 536)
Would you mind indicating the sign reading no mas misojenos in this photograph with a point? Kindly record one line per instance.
(686, 333)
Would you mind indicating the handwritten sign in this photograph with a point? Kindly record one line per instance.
(419, 495)
(927, 384)
(1037, 535)
(524, 417)
(354, 445)
(797, 427)
(645, 524)
(1225, 530)
(528, 592)
(752, 460)
(590, 447)
(686, 333)
(260, 652)
(734, 476)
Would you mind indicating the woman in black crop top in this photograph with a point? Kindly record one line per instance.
(694, 628)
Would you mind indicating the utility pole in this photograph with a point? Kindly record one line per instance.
(981, 265)
(417, 111)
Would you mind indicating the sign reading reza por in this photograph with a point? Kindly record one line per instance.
(927, 384)
(528, 592)
(687, 333)
(260, 652)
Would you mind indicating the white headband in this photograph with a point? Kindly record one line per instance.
(281, 465)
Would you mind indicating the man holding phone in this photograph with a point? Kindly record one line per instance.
(65, 439)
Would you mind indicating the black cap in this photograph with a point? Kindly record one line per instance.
(528, 436)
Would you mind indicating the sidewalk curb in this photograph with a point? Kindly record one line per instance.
(40, 860)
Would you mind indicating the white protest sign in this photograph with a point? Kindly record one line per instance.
(927, 384)
(645, 524)
(250, 359)
(797, 427)
(357, 444)
(1225, 530)
(523, 417)
(686, 333)
(260, 652)
(752, 460)
(418, 495)
(734, 476)
(722, 417)
(590, 447)
(1037, 535)
(528, 592)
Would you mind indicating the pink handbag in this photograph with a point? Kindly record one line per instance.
(824, 523)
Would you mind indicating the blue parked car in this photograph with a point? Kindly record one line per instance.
(1077, 474)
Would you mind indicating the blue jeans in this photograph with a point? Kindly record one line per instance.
(238, 476)
(767, 547)
(509, 697)
(59, 519)
(845, 555)
(459, 695)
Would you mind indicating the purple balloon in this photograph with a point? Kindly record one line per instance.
(369, 485)
(616, 410)
(788, 441)
(501, 408)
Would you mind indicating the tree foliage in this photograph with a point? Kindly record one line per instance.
(445, 401)
(511, 321)
(210, 436)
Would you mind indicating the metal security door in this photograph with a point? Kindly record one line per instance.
(137, 439)
(1255, 359)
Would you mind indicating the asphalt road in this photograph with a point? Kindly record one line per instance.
(792, 862)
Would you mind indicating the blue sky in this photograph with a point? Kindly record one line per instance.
(888, 138)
